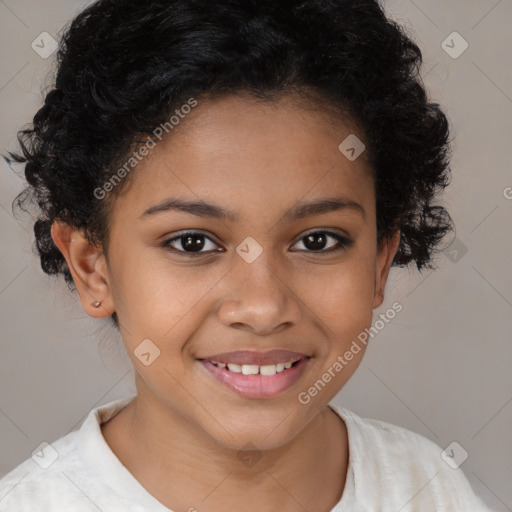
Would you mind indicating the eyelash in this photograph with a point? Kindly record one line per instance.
(343, 243)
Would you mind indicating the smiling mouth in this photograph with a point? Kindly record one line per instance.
(257, 381)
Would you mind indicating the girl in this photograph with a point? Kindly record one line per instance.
(230, 182)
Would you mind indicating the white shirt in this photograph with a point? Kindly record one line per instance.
(390, 469)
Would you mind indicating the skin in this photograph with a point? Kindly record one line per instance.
(181, 435)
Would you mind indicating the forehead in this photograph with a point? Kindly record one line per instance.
(279, 124)
(254, 155)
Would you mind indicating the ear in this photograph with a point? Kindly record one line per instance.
(385, 255)
(88, 268)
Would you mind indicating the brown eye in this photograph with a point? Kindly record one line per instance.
(191, 243)
(319, 241)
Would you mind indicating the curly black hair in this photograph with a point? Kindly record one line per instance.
(124, 66)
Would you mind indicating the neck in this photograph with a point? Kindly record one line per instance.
(184, 468)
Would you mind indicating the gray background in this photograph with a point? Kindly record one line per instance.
(440, 368)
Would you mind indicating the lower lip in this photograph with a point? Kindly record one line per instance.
(257, 386)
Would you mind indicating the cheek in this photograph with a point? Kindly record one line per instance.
(141, 289)
(341, 297)
(344, 306)
(157, 299)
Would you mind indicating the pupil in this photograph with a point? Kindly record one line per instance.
(310, 241)
(193, 242)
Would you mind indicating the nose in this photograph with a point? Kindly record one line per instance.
(259, 299)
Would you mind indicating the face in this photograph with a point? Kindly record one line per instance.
(269, 283)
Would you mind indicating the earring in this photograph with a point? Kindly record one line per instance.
(96, 304)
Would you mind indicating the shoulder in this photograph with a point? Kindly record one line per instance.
(45, 476)
(393, 441)
(63, 475)
(406, 469)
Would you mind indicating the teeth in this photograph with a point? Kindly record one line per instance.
(269, 369)
(250, 369)
(254, 369)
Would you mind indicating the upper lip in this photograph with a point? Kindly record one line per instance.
(254, 357)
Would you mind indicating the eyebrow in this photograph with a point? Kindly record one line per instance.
(299, 211)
